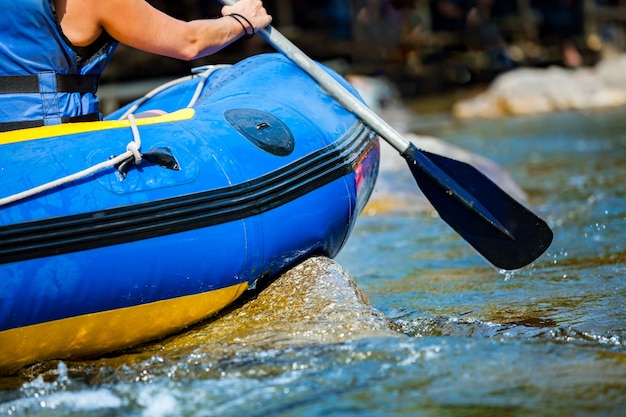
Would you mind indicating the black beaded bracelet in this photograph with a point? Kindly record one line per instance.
(237, 17)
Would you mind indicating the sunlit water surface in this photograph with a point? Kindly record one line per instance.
(548, 340)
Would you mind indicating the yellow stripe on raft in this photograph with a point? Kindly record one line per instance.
(106, 331)
(64, 129)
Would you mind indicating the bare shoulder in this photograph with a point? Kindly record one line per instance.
(79, 20)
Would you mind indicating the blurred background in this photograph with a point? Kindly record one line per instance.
(421, 46)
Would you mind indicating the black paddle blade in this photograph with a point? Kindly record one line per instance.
(506, 233)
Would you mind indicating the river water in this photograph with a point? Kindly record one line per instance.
(463, 338)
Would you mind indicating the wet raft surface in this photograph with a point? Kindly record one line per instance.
(445, 334)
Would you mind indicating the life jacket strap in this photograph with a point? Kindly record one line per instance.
(90, 117)
(66, 83)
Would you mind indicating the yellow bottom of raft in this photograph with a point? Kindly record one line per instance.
(107, 331)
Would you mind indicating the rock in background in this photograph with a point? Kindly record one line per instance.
(527, 91)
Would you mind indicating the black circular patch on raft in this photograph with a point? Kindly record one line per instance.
(262, 129)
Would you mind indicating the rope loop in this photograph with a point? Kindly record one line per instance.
(132, 151)
(134, 146)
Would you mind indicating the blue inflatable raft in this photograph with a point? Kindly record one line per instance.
(118, 232)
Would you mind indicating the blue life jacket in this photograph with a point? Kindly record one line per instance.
(44, 79)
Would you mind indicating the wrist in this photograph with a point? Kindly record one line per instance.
(245, 24)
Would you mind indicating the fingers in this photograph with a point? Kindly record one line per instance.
(253, 10)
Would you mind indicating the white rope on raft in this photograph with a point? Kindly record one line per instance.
(201, 72)
(132, 151)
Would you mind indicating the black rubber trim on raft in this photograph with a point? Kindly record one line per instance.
(118, 225)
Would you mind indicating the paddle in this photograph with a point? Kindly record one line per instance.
(502, 230)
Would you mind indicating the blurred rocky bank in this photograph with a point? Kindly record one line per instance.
(527, 91)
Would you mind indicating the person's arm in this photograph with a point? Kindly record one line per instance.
(139, 25)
